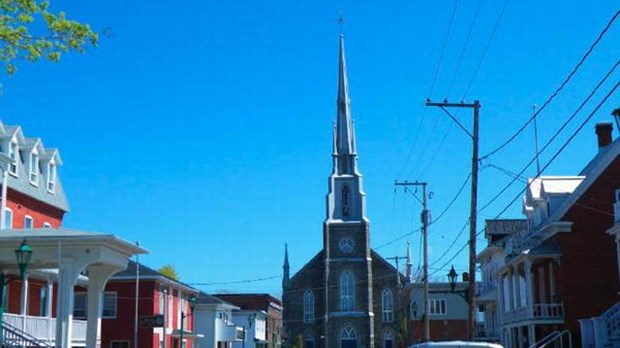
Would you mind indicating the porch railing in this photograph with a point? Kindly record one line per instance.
(538, 311)
(44, 328)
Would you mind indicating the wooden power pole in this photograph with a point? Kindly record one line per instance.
(474, 202)
(424, 218)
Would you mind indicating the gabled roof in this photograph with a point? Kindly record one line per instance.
(592, 171)
(147, 273)
(21, 183)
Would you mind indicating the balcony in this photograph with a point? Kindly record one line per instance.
(550, 313)
(486, 292)
(44, 328)
(225, 331)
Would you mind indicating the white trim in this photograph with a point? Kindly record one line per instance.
(33, 168)
(8, 210)
(13, 153)
(51, 177)
(103, 316)
(47, 225)
(26, 218)
(438, 302)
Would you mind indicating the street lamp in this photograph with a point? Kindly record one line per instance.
(192, 304)
(23, 254)
(452, 275)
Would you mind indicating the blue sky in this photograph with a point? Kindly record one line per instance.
(203, 129)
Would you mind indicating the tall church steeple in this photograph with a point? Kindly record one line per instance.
(346, 200)
(286, 268)
(345, 149)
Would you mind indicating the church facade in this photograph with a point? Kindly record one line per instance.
(347, 296)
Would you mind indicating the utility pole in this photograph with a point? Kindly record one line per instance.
(424, 218)
(474, 201)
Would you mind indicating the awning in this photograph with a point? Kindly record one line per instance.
(186, 334)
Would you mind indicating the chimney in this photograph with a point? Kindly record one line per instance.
(603, 133)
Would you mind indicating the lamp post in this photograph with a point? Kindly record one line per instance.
(452, 275)
(192, 304)
(23, 254)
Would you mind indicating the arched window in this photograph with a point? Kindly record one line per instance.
(308, 341)
(308, 307)
(388, 340)
(348, 338)
(347, 301)
(345, 200)
(387, 301)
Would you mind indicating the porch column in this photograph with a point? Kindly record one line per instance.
(69, 270)
(511, 285)
(50, 298)
(23, 300)
(97, 278)
(618, 252)
(552, 294)
(529, 286)
(518, 303)
(500, 301)
(520, 336)
(531, 334)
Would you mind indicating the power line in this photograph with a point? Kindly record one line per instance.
(555, 135)
(557, 91)
(443, 48)
(566, 143)
(486, 49)
(465, 45)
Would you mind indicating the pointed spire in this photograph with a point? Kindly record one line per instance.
(408, 266)
(345, 134)
(286, 268)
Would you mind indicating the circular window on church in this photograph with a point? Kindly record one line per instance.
(346, 245)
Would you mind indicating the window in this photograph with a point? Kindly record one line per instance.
(13, 150)
(348, 338)
(162, 300)
(309, 341)
(34, 168)
(119, 344)
(51, 177)
(346, 291)
(308, 307)
(28, 221)
(47, 225)
(8, 218)
(43, 296)
(345, 200)
(387, 301)
(109, 305)
(388, 340)
(437, 306)
(79, 305)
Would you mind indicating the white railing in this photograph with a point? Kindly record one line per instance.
(44, 328)
(225, 332)
(548, 311)
(539, 311)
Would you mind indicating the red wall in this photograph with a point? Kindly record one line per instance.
(587, 274)
(440, 330)
(122, 327)
(23, 205)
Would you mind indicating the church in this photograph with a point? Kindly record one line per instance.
(347, 296)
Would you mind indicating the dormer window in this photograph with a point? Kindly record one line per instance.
(34, 168)
(51, 177)
(13, 150)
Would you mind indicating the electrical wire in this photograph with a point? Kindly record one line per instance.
(557, 91)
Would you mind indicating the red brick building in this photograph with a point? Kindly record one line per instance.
(562, 266)
(159, 296)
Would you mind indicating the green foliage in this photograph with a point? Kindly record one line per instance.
(169, 271)
(30, 31)
(299, 342)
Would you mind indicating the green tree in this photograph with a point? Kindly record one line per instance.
(30, 31)
(169, 271)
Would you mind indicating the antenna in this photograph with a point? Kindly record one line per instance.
(536, 140)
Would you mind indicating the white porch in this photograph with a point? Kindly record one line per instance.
(74, 254)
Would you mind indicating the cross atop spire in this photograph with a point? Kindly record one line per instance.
(345, 133)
